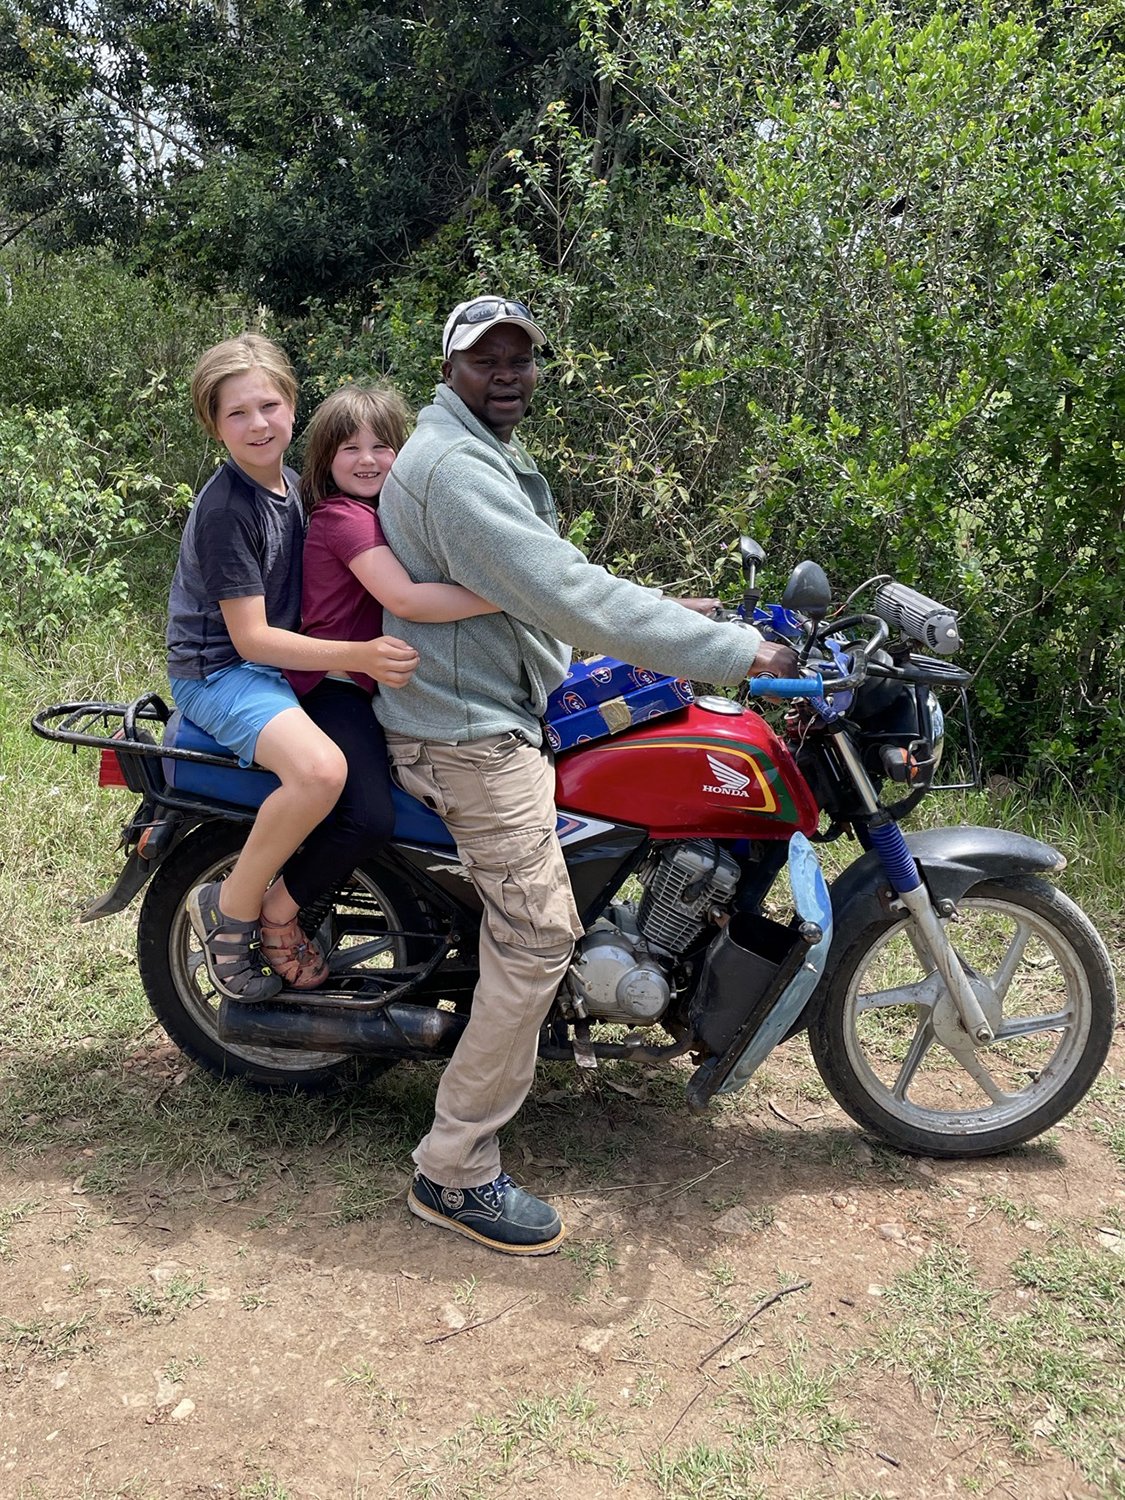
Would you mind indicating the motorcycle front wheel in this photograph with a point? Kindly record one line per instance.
(890, 1047)
(186, 1003)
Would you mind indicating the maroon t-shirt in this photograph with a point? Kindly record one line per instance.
(335, 606)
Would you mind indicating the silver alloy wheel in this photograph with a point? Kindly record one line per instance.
(910, 1054)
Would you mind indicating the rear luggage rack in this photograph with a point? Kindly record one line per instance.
(134, 732)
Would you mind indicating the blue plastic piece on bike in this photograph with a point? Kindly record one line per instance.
(813, 904)
(787, 687)
(902, 871)
(775, 621)
(835, 707)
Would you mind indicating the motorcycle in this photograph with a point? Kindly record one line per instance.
(956, 1002)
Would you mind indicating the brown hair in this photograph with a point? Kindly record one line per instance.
(249, 351)
(339, 417)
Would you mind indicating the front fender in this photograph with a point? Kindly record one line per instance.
(951, 860)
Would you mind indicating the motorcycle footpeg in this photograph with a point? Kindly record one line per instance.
(582, 1047)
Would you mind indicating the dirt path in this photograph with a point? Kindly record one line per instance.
(253, 1326)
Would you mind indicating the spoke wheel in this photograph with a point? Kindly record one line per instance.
(367, 927)
(891, 1048)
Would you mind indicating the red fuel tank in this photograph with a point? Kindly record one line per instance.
(700, 773)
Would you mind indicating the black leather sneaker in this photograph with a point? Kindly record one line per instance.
(499, 1215)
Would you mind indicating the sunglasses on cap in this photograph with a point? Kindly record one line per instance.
(492, 307)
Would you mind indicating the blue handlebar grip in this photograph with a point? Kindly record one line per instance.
(786, 687)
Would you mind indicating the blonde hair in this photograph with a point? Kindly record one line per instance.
(249, 351)
(339, 417)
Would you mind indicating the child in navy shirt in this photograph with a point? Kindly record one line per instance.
(234, 612)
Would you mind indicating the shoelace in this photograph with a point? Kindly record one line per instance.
(495, 1189)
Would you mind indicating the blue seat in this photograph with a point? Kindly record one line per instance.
(414, 822)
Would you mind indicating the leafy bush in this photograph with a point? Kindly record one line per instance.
(848, 279)
(66, 525)
(919, 228)
(116, 351)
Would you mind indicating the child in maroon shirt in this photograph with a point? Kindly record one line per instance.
(349, 573)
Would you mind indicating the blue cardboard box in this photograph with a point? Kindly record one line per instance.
(603, 696)
(596, 680)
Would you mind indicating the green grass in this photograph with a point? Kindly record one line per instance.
(265, 1487)
(1052, 1374)
(57, 846)
(591, 1257)
(1103, 1110)
(562, 1434)
(177, 1295)
(770, 1411)
(367, 1382)
(46, 1339)
(766, 1417)
(85, 1076)
(720, 1473)
(8, 1218)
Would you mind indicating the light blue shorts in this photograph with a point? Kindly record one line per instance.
(235, 704)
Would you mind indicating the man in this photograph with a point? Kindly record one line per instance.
(465, 503)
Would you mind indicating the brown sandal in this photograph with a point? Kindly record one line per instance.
(296, 958)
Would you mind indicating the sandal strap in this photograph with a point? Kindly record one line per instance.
(296, 957)
(231, 948)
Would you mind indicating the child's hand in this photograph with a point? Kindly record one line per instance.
(389, 660)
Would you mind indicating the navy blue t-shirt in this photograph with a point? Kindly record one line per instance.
(240, 542)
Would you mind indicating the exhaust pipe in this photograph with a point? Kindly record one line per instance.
(394, 1030)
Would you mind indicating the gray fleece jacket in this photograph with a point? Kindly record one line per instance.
(460, 506)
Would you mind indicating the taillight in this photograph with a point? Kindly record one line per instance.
(110, 770)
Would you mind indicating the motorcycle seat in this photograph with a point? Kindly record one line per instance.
(249, 787)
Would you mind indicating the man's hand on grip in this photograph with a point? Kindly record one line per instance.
(774, 660)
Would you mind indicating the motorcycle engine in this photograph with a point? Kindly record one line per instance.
(621, 966)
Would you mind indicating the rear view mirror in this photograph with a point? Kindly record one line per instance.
(808, 591)
(752, 556)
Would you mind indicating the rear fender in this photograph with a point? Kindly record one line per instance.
(132, 879)
(150, 838)
(952, 861)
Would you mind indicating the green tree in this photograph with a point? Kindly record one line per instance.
(911, 237)
(288, 150)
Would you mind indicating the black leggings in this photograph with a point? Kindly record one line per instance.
(363, 818)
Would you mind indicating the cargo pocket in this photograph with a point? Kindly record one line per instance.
(523, 882)
(413, 770)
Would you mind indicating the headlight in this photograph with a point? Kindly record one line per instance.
(937, 727)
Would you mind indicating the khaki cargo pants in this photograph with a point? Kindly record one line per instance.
(497, 798)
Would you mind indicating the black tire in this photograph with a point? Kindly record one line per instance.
(185, 1002)
(888, 1063)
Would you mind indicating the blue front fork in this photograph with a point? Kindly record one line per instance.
(890, 845)
(884, 835)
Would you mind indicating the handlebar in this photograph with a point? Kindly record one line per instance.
(787, 687)
(849, 662)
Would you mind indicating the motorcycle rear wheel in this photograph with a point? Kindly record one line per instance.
(882, 1041)
(185, 1002)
